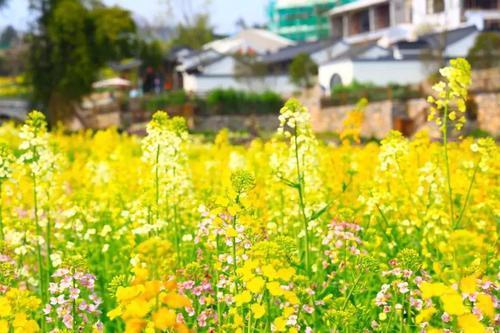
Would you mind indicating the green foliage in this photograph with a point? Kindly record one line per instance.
(71, 43)
(350, 94)
(8, 37)
(194, 35)
(248, 67)
(166, 100)
(230, 101)
(302, 71)
(151, 54)
(486, 51)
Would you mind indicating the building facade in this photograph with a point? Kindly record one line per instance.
(301, 20)
(405, 19)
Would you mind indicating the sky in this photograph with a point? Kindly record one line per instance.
(223, 13)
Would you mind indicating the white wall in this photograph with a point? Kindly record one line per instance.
(462, 47)
(224, 66)
(201, 84)
(374, 52)
(377, 72)
(384, 72)
(343, 68)
(449, 18)
(329, 53)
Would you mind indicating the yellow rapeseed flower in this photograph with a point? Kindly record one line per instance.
(258, 310)
(175, 301)
(433, 289)
(279, 324)
(425, 315)
(469, 323)
(256, 284)
(5, 308)
(243, 298)
(4, 326)
(468, 285)
(274, 288)
(138, 308)
(485, 304)
(452, 304)
(164, 318)
(269, 272)
(286, 274)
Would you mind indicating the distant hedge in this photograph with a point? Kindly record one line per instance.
(218, 101)
(165, 100)
(230, 101)
(352, 93)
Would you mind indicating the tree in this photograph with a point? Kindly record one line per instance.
(151, 54)
(8, 36)
(249, 70)
(69, 45)
(195, 34)
(486, 51)
(302, 71)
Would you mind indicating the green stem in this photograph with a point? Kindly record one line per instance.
(354, 285)
(41, 278)
(447, 162)
(467, 197)
(73, 310)
(2, 237)
(48, 233)
(235, 264)
(300, 189)
(157, 183)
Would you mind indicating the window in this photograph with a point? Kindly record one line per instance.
(481, 4)
(382, 16)
(359, 22)
(435, 6)
(336, 80)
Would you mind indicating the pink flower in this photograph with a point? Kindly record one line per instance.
(74, 293)
(187, 285)
(68, 321)
(307, 308)
(446, 317)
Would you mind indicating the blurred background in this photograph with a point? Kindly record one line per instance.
(90, 64)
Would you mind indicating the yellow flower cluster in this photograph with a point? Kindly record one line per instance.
(150, 306)
(17, 308)
(469, 303)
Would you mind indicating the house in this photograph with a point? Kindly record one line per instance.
(403, 19)
(221, 64)
(220, 71)
(257, 41)
(403, 62)
(319, 51)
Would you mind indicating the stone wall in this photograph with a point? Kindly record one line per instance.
(485, 80)
(381, 117)
(251, 123)
(488, 112)
(377, 122)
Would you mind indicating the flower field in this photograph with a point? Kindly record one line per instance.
(167, 233)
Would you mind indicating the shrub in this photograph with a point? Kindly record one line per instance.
(165, 100)
(230, 101)
(350, 94)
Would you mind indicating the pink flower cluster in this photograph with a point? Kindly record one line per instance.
(200, 292)
(73, 300)
(342, 238)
